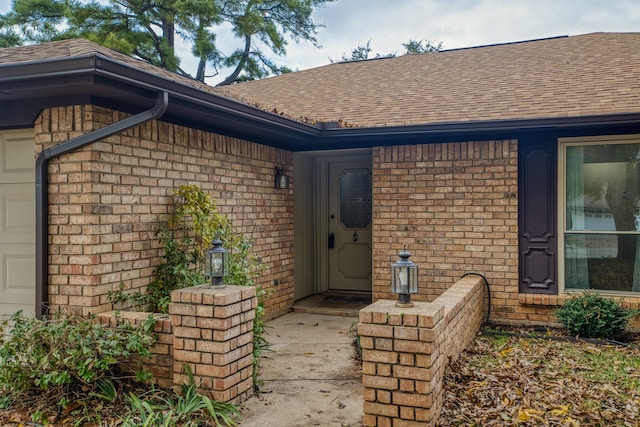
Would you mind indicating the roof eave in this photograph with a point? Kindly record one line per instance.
(34, 82)
(105, 81)
(475, 130)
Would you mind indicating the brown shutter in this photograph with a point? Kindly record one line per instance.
(537, 213)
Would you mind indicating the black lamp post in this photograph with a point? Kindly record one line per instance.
(404, 279)
(216, 263)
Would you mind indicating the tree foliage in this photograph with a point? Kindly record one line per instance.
(363, 51)
(422, 46)
(152, 29)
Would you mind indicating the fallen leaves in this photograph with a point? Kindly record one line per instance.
(536, 382)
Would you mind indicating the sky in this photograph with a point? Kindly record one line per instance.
(455, 23)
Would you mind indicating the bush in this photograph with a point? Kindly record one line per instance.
(186, 237)
(68, 371)
(66, 356)
(591, 315)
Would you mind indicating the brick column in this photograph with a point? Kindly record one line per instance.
(399, 366)
(213, 334)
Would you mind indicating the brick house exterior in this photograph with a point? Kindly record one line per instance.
(459, 203)
(460, 162)
(106, 199)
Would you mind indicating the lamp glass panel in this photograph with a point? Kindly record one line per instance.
(217, 264)
(282, 181)
(413, 280)
(207, 264)
(402, 280)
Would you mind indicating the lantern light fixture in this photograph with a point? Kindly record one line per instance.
(281, 179)
(216, 263)
(404, 279)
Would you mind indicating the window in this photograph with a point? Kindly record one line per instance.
(600, 216)
(355, 199)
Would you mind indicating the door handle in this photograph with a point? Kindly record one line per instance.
(332, 240)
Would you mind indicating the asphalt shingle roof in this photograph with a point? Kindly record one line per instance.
(591, 74)
(76, 48)
(53, 50)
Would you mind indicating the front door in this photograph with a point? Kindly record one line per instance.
(350, 213)
(17, 222)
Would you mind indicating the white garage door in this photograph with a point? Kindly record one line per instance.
(17, 222)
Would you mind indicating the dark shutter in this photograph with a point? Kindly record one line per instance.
(537, 213)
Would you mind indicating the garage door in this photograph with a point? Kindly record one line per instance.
(17, 222)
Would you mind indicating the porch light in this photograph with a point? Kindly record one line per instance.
(216, 263)
(404, 279)
(282, 179)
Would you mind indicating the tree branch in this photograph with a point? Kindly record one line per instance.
(243, 60)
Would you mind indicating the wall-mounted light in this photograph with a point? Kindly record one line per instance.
(216, 263)
(404, 279)
(282, 179)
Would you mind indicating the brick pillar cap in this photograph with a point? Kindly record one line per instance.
(423, 310)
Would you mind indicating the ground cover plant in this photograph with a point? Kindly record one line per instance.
(187, 408)
(545, 381)
(52, 364)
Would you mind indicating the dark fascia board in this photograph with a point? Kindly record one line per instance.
(479, 130)
(46, 69)
(118, 84)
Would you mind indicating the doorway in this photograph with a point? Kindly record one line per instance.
(333, 222)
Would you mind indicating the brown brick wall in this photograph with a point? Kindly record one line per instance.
(106, 199)
(455, 207)
(405, 352)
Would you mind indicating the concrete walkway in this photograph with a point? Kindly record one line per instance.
(310, 377)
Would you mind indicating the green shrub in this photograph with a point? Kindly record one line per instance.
(183, 267)
(70, 369)
(66, 356)
(591, 315)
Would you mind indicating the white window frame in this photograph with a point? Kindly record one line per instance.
(563, 143)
